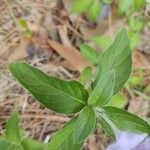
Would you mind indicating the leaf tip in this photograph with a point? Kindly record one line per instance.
(15, 65)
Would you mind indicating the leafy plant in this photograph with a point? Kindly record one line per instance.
(130, 9)
(13, 139)
(102, 41)
(130, 6)
(89, 107)
(91, 7)
(28, 32)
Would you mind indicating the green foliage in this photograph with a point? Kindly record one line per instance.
(94, 10)
(90, 53)
(92, 107)
(117, 101)
(107, 1)
(116, 58)
(81, 5)
(63, 139)
(85, 124)
(59, 95)
(22, 22)
(6, 145)
(105, 125)
(126, 8)
(30, 144)
(138, 4)
(124, 120)
(103, 90)
(135, 38)
(103, 41)
(129, 6)
(136, 25)
(12, 133)
(135, 80)
(125, 5)
(86, 75)
(13, 139)
(91, 7)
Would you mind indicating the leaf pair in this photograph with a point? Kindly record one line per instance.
(114, 70)
(117, 59)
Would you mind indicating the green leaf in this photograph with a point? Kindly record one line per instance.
(139, 4)
(12, 133)
(85, 124)
(131, 5)
(6, 145)
(91, 54)
(103, 41)
(117, 58)
(117, 101)
(59, 95)
(81, 6)
(107, 128)
(125, 5)
(30, 144)
(103, 91)
(134, 39)
(135, 24)
(86, 75)
(63, 140)
(23, 23)
(107, 1)
(126, 121)
(94, 10)
(135, 80)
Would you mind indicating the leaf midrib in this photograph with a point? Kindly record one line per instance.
(49, 86)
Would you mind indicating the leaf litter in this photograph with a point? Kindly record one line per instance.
(54, 48)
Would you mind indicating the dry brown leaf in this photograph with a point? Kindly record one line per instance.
(72, 55)
(139, 60)
(139, 105)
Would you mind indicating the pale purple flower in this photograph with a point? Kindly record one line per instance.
(131, 141)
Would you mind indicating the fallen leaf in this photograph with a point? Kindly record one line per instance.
(72, 55)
